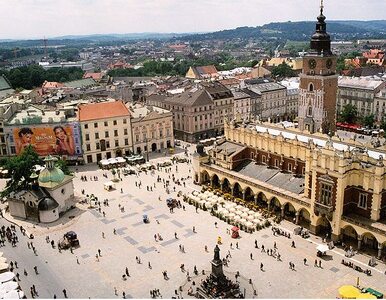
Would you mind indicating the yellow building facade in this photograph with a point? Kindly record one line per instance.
(333, 188)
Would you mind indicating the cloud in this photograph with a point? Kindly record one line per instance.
(38, 18)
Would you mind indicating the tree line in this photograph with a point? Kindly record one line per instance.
(33, 76)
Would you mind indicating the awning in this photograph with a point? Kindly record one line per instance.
(109, 183)
(322, 248)
(349, 292)
(121, 160)
(7, 276)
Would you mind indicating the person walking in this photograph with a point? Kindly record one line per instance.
(251, 256)
(305, 261)
(261, 267)
(65, 293)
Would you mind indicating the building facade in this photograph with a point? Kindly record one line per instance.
(106, 130)
(318, 83)
(273, 98)
(329, 187)
(361, 93)
(152, 129)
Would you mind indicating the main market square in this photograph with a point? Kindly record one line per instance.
(84, 275)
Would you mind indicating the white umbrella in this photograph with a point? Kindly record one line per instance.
(9, 286)
(3, 266)
(14, 295)
(232, 209)
(206, 192)
(239, 207)
(225, 213)
(245, 209)
(244, 215)
(195, 193)
(3, 259)
(1, 253)
(256, 221)
(237, 218)
(231, 215)
(249, 224)
(7, 276)
(233, 204)
(238, 212)
(250, 218)
(257, 215)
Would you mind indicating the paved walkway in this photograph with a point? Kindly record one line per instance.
(133, 238)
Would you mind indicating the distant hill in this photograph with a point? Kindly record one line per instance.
(301, 31)
(296, 31)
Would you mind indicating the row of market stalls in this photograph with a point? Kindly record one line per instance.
(9, 289)
(114, 162)
(117, 162)
(237, 214)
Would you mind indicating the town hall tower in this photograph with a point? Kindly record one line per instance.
(318, 83)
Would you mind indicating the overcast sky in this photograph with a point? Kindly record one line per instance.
(39, 18)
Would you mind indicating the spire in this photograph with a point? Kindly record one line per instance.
(320, 41)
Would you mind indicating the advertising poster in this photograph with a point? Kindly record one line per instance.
(55, 140)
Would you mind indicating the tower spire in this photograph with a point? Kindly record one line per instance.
(321, 7)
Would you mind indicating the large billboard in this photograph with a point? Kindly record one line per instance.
(58, 139)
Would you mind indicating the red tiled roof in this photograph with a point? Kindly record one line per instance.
(103, 110)
(51, 84)
(95, 76)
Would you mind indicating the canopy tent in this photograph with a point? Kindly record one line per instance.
(349, 292)
(3, 259)
(3, 266)
(322, 248)
(109, 185)
(104, 162)
(14, 295)
(120, 160)
(7, 276)
(9, 286)
(112, 160)
(231, 215)
(366, 296)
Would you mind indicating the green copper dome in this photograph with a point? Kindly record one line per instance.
(51, 173)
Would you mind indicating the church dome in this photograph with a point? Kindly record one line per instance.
(47, 203)
(51, 175)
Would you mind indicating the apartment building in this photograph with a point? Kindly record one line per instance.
(106, 130)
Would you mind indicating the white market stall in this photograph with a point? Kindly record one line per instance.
(109, 185)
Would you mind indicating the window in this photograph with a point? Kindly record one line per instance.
(87, 137)
(85, 126)
(115, 132)
(309, 112)
(325, 194)
(116, 143)
(96, 135)
(95, 125)
(107, 144)
(106, 134)
(276, 163)
(290, 167)
(311, 87)
(88, 147)
(137, 138)
(97, 146)
(115, 122)
(126, 142)
(362, 203)
(263, 159)
(124, 121)
(106, 123)
(125, 131)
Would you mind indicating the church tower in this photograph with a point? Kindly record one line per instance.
(318, 83)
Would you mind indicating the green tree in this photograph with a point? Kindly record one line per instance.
(283, 70)
(62, 164)
(20, 169)
(348, 114)
(368, 121)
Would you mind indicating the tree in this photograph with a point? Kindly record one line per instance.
(62, 164)
(283, 70)
(368, 121)
(20, 169)
(349, 114)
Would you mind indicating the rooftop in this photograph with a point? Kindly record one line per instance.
(103, 110)
(359, 83)
(272, 176)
